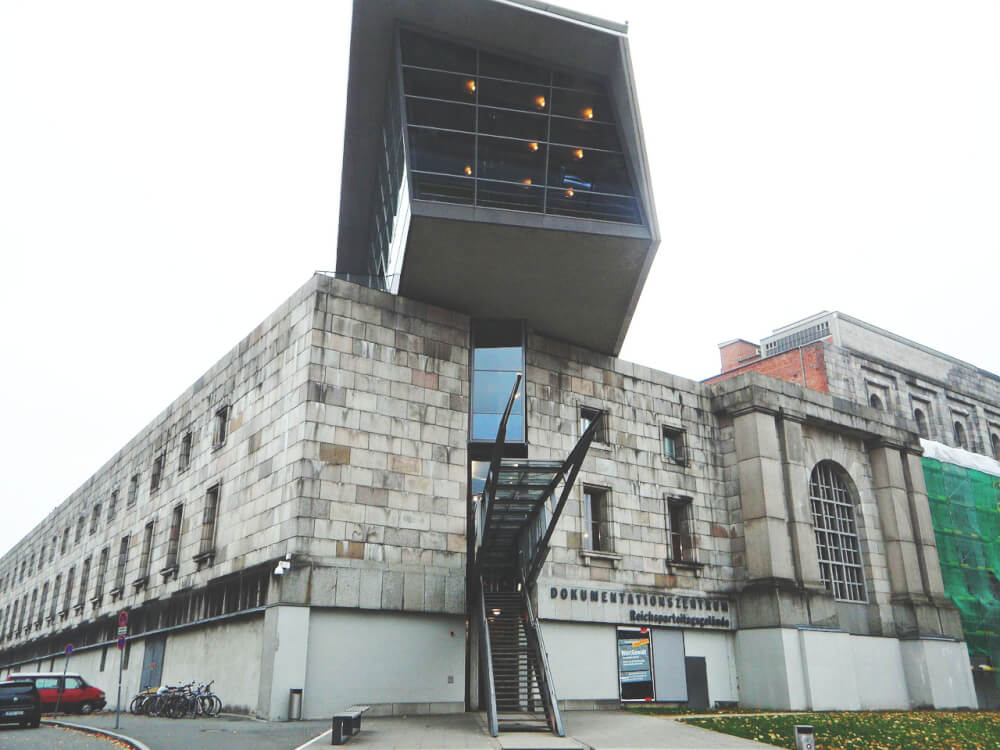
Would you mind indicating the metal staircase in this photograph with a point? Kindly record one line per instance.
(514, 521)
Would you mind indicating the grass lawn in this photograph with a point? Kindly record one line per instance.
(863, 730)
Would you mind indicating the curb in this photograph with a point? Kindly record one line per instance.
(134, 744)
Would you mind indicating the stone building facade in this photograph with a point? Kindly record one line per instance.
(345, 455)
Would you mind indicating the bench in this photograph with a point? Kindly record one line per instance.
(347, 723)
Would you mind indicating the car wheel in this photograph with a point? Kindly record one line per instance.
(86, 708)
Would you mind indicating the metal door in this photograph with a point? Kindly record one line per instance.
(697, 682)
(152, 661)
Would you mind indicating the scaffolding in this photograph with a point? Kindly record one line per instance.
(965, 510)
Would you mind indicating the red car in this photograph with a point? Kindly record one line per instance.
(77, 695)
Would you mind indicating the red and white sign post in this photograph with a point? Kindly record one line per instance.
(122, 636)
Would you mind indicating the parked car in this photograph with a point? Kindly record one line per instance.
(77, 694)
(20, 703)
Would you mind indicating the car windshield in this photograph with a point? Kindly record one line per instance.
(15, 688)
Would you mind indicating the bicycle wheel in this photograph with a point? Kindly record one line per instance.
(216, 705)
(135, 706)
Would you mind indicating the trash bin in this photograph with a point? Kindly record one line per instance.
(805, 738)
(295, 705)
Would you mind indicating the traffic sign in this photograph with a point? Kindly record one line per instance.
(121, 642)
(123, 630)
(123, 618)
(69, 649)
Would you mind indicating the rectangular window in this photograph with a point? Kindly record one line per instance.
(80, 522)
(673, 445)
(221, 429)
(113, 505)
(185, 458)
(84, 582)
(596, 520)
(56, 590)
(41, 557)
(104, 657)
(147, 548)
(497, 358)
(208, 522)
(43, 602)
(68, 599)
(133, 489)
(52, 548)
(157, 474)
(122, 561)
(31, 611)
(95, 518)
(126, 653)
(173, 542)
(65, 541)
(587, 417)
(680, 528)
(102, 573)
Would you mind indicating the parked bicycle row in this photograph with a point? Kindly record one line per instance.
(177, 701)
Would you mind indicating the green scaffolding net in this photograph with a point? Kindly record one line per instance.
(966, 517)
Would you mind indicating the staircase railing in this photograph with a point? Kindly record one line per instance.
(548, 687)
(486, 658)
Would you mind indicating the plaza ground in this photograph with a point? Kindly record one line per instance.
(600, 730)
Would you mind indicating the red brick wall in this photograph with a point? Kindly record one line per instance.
(804, 366)
(734, 351)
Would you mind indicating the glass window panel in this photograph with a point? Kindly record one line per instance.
(511, 197)
(499, 358)
(436, 53)
(523, 96)
(448, 115)
(588, 206)
(490, 391)
(435, 85)
(443, 189)
(532, 127)
(585, 134)
(448, 153)
(485, 426)
(511, 161)
(584, 106)
(588, 170)
(513, 70)
(576, 81)
(479, 471)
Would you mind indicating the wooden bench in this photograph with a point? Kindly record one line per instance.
(347, 723)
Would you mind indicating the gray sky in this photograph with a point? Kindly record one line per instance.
(169, 174)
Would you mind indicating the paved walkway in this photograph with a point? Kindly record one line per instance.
(586, 730)
(50, 738)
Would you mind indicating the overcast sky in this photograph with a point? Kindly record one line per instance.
(169, 174)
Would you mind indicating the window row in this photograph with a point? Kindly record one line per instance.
(672, 439)
(962, 432)
(596, 535)
(70, 590)
(88, 523)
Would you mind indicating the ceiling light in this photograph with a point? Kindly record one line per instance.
(526, 181)
(470, 86)
(532, 146)
(468, 169)
(540, 102)
(588, 113)
(570, 193)
(578, 154)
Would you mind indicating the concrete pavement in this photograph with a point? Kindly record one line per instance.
(50, 738)
(586, 730)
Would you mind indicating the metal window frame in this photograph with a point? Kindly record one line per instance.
(838, 544)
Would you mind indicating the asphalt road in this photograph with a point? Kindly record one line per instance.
(14, 737)
(222, 733)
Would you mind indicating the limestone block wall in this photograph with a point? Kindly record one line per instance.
(263, 382)
(630, 463)
(382, 478)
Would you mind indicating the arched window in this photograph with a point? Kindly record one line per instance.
(921, 420)
(837, 544)
(995, 442)
(875, 402)
(960, 435)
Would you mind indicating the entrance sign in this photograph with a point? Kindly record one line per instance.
(690, 610)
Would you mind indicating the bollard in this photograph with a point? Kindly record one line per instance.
(805, 738)
(295, 704)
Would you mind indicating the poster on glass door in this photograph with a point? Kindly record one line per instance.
(635, 668)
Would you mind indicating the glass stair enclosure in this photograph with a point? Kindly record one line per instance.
(515, 517)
